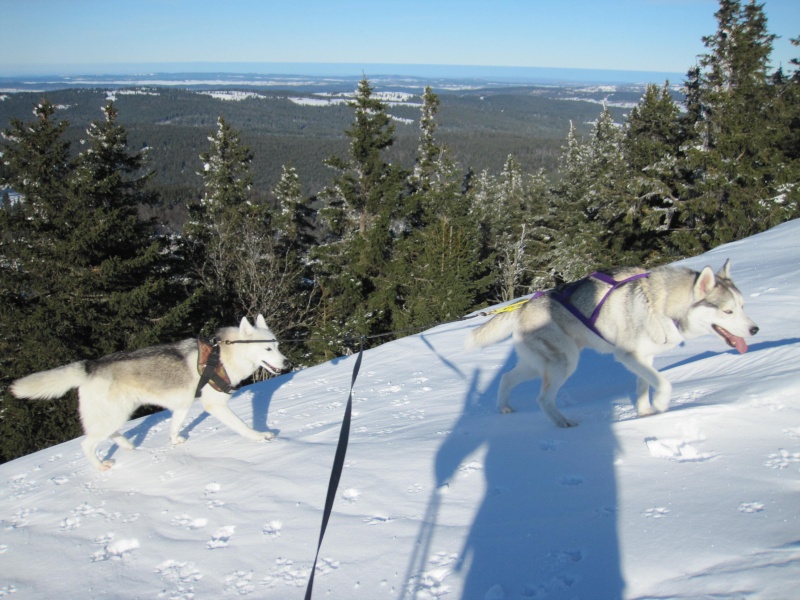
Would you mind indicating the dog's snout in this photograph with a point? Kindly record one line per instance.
(754, 330)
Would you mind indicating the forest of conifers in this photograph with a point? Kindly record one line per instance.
(116, 243)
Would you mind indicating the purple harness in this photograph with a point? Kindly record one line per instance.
(563, 298)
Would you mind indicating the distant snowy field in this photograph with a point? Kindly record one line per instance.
(442, 497)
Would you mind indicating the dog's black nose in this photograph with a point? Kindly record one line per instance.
(287, 366)
(753, 330)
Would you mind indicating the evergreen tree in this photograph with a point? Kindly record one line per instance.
(246, 256)
(35, 330)
(786, 127)
(293, 238)
(508, 224)
(438, 264)
(429, 153)
(82, 275)
(356, 198)
(651, 144)
(364, 210)
(588, 201)
(122, 254)
(533, 249)
(225, 230)
(733, 161)
(227, 179)
(293, 218)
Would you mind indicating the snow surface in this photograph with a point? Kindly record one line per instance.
(442, 497)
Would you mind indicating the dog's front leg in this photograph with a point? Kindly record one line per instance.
(217, 406)
(178, 417)
(642, 367)
(643, 406)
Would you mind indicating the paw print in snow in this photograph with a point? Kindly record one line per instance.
(211, 489)
(240, 583)
(188, 522)
(351, 495)
(221, 538)
(782, 459)
(751, 507)
(114, 550)
(273, 529)
(181, 575)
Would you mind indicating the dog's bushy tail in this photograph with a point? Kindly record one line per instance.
(494, 330)
(47, 385)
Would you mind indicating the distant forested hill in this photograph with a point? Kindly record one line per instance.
(480, 127)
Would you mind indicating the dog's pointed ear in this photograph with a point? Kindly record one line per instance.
(704, 284)
(245, 327)
(261, 323)
(725, 271)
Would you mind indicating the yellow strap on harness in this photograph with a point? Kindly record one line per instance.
(509, 308)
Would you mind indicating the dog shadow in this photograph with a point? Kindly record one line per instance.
(137, 434)
(262, 393)
(758, 347)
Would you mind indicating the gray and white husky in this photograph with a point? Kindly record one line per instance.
(112, 387)
(628, 312)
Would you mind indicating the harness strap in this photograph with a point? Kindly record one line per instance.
(212, 371)
(563, 298)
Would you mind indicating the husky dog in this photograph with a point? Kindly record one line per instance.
(112, 387)
(636, 316)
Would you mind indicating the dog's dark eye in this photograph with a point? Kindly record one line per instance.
(728, 312)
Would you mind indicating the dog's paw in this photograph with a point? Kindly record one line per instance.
(566, 423)
(660, 407)
(106, 465)
(506, 410)
(259, 436)
(178, 439)
(649, 411)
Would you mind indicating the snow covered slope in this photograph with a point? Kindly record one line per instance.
(441, 495)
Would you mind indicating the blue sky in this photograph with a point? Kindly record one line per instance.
(57, 36)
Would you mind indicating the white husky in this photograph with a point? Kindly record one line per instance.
(628, 312)
(112, 387)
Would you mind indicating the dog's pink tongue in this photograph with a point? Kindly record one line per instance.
(733, 341)
(739, 343)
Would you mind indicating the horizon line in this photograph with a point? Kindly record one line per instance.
(341, 69)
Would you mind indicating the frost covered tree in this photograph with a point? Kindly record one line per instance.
(293, 216)
(244, 263)
(428, 162)
(588, 199)
(292, 224)
(651, 143)
(438, 266)
(226, 232)
(226, 174)
(508, 218)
